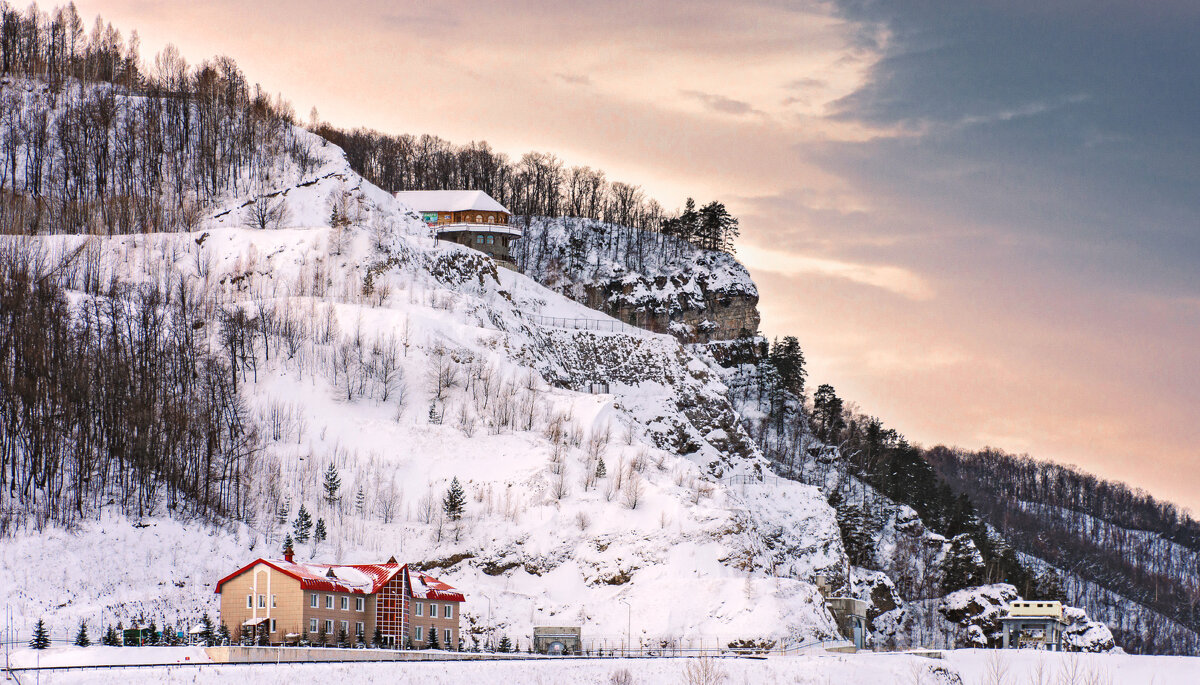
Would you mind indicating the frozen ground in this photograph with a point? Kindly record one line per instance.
(973, 667)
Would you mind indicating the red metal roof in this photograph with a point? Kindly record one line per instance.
(363, 579)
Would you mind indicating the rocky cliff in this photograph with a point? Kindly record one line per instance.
(648, 280)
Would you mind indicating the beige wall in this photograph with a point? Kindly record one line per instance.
(266, 581)
(441, 623)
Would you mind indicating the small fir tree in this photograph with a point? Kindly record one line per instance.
(319, 533)
(455, 501)
(342, 637)
(333, 483)
(282, 511)
(81, 636)
(288, 544)
(377, 638)
(110, 638)
(304, 637)
(601, 471)
(302, 525)
(360, 501)
(152, 639)
(322, 636)
(223, 634)
(505, 645)
(433, 638)
(41, 636)
(206, 635)
(434, 416)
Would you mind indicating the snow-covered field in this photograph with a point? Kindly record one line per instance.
(969, 667)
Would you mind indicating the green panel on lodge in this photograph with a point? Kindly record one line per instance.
(430, 217)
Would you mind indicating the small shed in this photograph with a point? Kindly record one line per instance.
(851, 617)
(557, 639)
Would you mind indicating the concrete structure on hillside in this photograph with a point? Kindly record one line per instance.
(851, 617)
(557, 639)
(467, 217)
(1036, 625)
(282, 601)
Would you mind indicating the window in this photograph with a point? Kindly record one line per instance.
(249, 601)
(448, 611)
(346, 627)
(312, 600)
(312, 625)
(491, 240)
(478, 240)
(345, 604)
(420, 634)
(328, 601)
(359, 603)
(273, 604)
(358, 629)
(446, 642)
(272, 625)
(420, 610)
(432, 610)
(478, 219)
(491, 219)
(328, 626)
(262, 601)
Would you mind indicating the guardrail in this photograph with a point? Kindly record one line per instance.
(582, 324)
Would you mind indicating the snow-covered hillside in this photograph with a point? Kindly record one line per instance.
(403, 365)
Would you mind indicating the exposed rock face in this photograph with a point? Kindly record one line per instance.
(683, 305)
(696, 295)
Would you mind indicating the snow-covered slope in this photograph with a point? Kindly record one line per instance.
(404, 365)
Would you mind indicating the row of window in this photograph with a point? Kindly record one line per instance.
(491, 240)
(359, 602)
(419, 609)
(262, 601)
(419, 635)
(313, 627)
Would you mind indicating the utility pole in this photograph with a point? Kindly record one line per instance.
(628, 624)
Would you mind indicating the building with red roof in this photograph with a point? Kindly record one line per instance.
(285, 602)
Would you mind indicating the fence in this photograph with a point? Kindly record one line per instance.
(582, 324)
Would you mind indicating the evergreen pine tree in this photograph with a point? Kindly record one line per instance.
(282, 511)
(600, 470)
(110, 638)
(377, 638)
(41, 636)
(322, 636)
(302, 525)
(207, 634)
(455, 501)
(319, 533)
(153, 637)
(963, 566)
(342, 639)
(433, 638)
(332, 484)
(360, 501)
(223, 636)
(434, 416)
(304, 642)
(505, 645)
(288, 544)
(81, 637)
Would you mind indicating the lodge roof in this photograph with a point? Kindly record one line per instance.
(362, 579)
(449, 201)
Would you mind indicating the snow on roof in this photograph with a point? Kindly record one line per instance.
(363, 579)
(428, 587)
(449, 200)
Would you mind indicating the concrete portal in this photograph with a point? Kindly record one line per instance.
(1035, 632)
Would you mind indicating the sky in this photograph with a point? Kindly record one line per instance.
(981, 219)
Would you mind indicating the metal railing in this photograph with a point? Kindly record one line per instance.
(582, 324)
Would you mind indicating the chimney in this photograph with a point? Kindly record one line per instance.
(287, 554)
